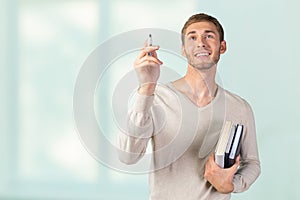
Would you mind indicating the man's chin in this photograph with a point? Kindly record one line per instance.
(204, 66)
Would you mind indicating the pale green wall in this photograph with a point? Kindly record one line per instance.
(44, 43)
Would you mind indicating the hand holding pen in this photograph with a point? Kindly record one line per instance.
(147, 66)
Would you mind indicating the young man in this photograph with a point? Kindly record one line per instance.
(183, 119)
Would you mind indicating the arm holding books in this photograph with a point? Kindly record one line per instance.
(249, 168)
(246, 169)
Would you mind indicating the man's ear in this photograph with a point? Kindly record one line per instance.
(183, 51)
(223, 47)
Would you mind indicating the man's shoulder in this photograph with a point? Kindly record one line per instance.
(165, 90)
(237, 107)
(235, 99)
(166, 94)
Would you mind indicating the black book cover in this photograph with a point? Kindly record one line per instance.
(235, 147)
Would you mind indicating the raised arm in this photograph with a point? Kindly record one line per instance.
(132, 143)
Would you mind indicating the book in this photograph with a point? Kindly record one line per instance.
(228, 146)
(236, 146)
(222, 144)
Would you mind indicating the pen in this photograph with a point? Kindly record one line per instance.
(150, 43)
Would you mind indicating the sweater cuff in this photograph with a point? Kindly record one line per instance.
(142, 102)
(237, 183)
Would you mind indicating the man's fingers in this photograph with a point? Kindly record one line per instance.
(149, 59)
(237, 160)
(236, 164)
(147, 50)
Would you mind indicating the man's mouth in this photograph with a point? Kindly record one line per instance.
(202, 54)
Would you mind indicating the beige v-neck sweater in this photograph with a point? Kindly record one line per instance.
(183, 136)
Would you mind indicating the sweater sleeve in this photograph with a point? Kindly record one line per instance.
(132, 143)
(249, 168)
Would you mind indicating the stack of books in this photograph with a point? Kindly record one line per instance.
(229, 144)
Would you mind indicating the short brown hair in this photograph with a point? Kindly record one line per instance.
(200, 18)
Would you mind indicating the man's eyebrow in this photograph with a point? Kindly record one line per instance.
(191, 32)
(205, 31)
(209, 31)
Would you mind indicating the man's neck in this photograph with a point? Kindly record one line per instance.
(199, 86)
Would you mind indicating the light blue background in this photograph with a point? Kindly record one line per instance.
(45, 42)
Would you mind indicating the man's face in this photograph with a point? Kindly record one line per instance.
(202, 46)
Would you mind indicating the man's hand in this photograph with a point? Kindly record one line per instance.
(148, 69)
(220, 178)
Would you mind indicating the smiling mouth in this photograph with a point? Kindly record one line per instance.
(202, 54)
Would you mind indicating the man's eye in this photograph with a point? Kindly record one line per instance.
(209, 36)
(193, 38)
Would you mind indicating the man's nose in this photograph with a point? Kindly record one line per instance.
(201, 42)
